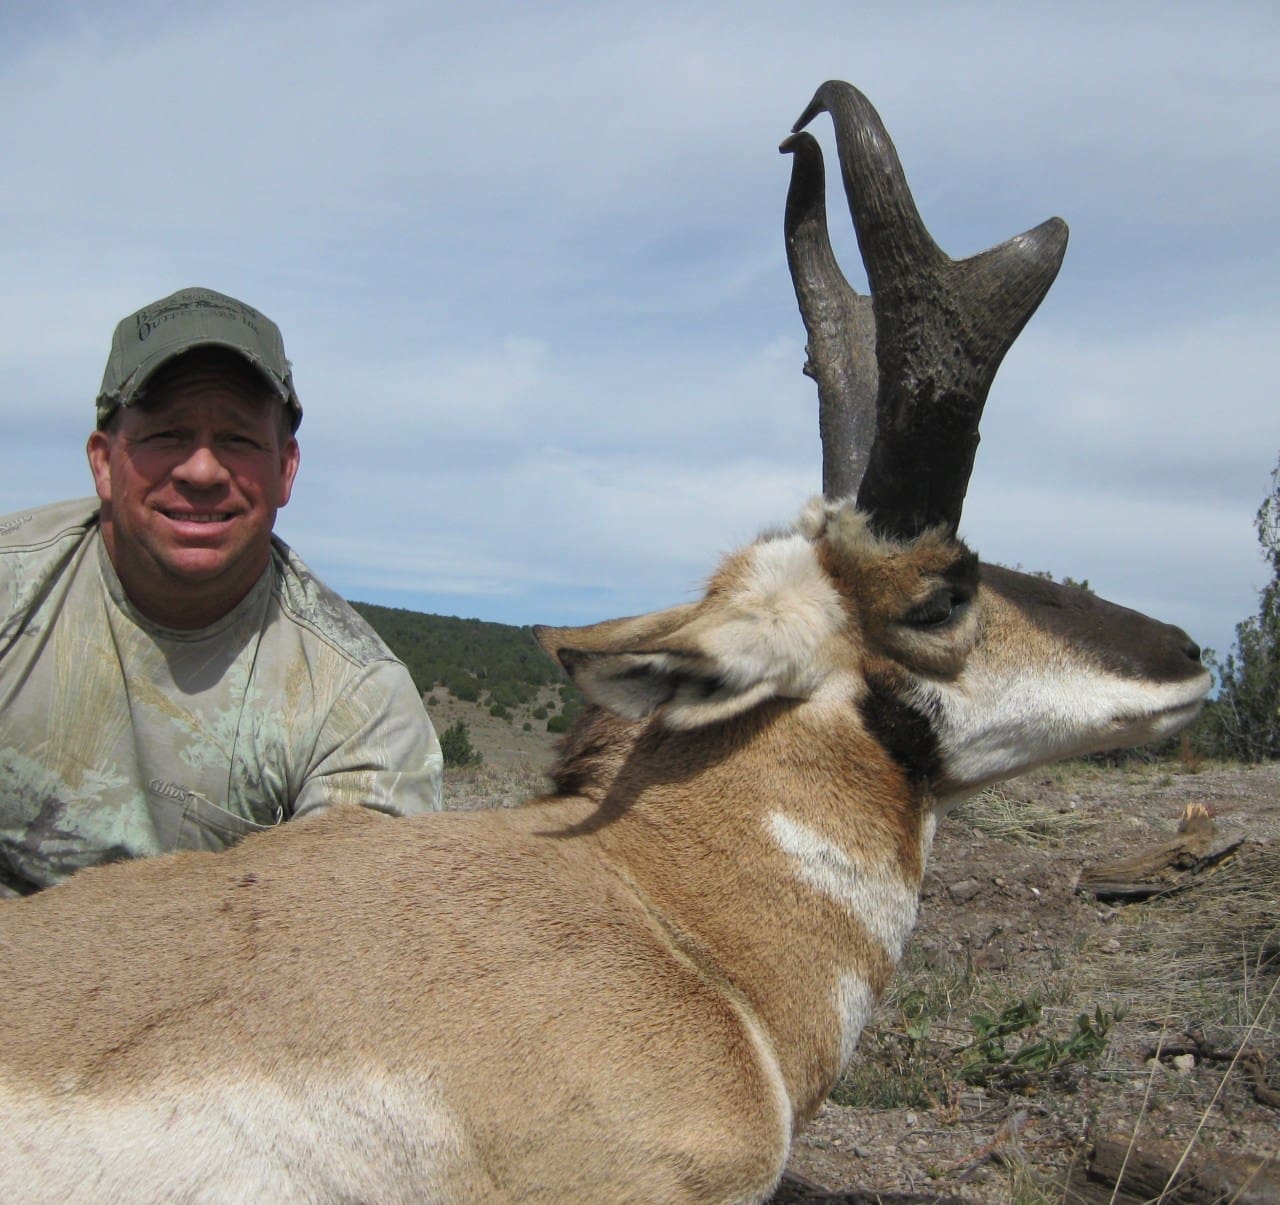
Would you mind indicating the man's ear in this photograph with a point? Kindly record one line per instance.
(98, 450)
(290, 459)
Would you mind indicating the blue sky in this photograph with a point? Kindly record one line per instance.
(529, 267)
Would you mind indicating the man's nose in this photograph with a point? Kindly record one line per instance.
(201, 467)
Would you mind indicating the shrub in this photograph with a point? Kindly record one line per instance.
(464, 687)
(455, 744)
(1244, 721)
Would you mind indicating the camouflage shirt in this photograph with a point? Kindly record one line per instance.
(120, 739)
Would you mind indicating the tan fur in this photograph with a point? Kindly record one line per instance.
(635, 990)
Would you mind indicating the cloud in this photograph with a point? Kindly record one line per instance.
(529, 267)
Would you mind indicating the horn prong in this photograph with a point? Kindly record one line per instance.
(940, 327)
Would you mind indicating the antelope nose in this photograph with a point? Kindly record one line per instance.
(1189, 646)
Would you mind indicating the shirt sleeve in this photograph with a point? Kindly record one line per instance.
(377, 749)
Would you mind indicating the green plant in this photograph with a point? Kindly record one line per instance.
(463, 687)
(1244, 720)
(455, 744)
(990, 1062)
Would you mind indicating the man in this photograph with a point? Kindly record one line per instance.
(171, 674)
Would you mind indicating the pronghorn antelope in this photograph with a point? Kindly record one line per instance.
(639, 987)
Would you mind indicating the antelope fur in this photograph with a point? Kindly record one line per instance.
(636, 988)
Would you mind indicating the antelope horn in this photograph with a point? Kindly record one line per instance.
(941, 326)
(841, 348)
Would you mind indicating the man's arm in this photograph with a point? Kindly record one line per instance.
(377, 749)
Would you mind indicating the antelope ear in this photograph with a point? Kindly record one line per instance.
(685, 691)
(689, 666)
(637, 665)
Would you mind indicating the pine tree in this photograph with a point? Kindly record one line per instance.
(1244, 720)
(455, 744)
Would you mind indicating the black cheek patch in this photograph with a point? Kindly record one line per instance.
(904, 731)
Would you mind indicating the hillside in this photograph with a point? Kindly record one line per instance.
(491, 676)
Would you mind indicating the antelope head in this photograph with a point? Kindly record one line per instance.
(963, 673)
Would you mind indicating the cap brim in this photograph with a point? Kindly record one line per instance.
(134, 389)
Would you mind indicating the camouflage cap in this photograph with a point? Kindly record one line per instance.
(187, 319)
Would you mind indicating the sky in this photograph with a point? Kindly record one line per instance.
(529, 266)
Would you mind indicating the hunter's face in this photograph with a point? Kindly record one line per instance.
(190, 480)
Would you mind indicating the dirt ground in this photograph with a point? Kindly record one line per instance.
(1001, 922)
(1176, 985)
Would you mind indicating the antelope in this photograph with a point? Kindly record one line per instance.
(641, 985)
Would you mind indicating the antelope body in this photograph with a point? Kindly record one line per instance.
(637, 988)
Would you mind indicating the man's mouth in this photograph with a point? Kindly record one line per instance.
(204, 516)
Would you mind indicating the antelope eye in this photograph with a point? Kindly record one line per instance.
(939, 608)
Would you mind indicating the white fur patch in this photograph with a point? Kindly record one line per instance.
(361, 1137)
(854, 1002)
(993, 724)
(777, 618)
(877, 896)
(820, 514)
(928, 827)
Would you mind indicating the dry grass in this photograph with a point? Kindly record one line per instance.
(467, 788)
(1214, 949)
(1021, 822)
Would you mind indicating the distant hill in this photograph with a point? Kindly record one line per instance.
(497, 665)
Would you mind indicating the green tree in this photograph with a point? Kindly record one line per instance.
(455, 744)
(463, 686)
(1244, 721)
